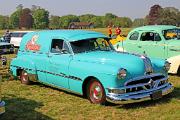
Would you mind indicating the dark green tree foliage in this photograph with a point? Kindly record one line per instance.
(139, 22)
(4, 22)
(168, 17)
(54, 22)
(86, 17)
(26, 20)
(66, 20)
(14, 19)
(109, 19)
(97, 21)
(41, 18)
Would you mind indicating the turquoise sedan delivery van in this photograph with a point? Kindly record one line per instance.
(85, 62)
(158, 41)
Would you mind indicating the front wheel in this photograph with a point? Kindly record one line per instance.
(24, 77)
(96, 92)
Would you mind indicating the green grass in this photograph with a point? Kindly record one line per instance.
(42, 102)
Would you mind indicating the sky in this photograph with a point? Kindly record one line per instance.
(129, 8)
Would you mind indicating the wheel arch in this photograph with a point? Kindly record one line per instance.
(85, 83)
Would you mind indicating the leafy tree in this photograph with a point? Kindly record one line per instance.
(54, 22)
(178, 19)
(172, 9)
(86, 17)
(139, 22)
(25, 20)
(109, 19)
(14, 19)
(154, 14)
(19, 7)
(97, 21)
(110, 16)
(168, 17)
(123, 22)
(4, 22)
(41, 18)
(66, 20)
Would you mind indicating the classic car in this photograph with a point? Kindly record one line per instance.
(85, 62)
(158, 41)
(2, 103)
(115, 39)
(6, 48)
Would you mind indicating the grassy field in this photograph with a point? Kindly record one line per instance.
(40, 102)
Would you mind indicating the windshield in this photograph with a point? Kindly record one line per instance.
(88, 45)
(171, 34)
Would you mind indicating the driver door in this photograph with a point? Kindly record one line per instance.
(152, 45)
(58, 67)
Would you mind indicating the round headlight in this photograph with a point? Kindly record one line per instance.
(167, 66)
(122, 73)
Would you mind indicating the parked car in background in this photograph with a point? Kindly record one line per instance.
(86, 63)
(16, 37)
(158, 41)
(6, 48)
(115, 39)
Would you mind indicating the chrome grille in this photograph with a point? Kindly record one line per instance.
(146, 83)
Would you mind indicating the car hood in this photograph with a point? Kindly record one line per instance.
(132, 63)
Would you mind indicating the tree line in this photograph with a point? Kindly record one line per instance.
(39, 18)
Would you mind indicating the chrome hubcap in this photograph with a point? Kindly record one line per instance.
(96, 92)
(24, 76)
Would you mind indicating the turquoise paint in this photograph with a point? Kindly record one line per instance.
(162, 49)
(102, 65)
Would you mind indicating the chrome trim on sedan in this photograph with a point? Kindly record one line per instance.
(139, 97)
(140, 89)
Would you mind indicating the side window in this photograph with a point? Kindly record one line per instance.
(59, 46)
(157, 37)
(150, 36)
(134, 36)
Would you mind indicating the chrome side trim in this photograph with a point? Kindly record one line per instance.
(56, 74)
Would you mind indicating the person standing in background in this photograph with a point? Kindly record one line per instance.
(7, 36)
(109, 31)
(118, 31)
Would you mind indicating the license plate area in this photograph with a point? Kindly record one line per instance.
(156, 95)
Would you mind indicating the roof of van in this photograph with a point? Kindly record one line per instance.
(72, 35)
(154, 27)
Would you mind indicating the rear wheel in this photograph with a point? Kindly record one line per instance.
(96, 92)
(24, 77)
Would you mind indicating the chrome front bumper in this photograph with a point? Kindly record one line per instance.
(144, 95)
(2, 107)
